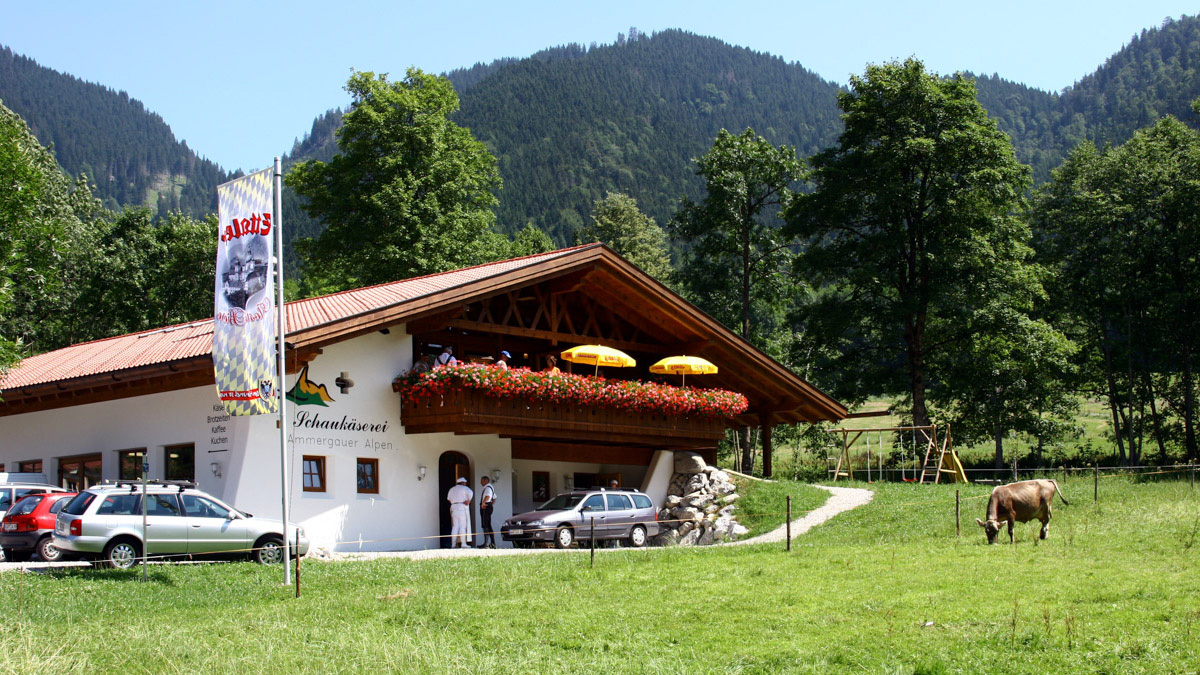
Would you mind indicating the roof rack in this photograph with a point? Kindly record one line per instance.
(134, 484)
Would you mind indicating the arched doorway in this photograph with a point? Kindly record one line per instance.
(451, 466)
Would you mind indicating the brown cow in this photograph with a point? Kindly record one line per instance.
(1020, 502)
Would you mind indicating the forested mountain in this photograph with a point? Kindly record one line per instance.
(1152, 76)
(570, 123)
(128, 153)
(630, 117)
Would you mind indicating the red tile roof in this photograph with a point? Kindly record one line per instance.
(193, 340)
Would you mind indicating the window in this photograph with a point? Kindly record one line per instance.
(593, 503)
(619, 503)
(79, 473)
(181, 462)
(368, 476)
(32, 466)
(6, 499)
(202, 507)
(129, 464)
(314, 473)
(58, 504)
(162, 505)
(641, 501)
(79, 503)
(24, 507)
(561, 503)
(119, 505)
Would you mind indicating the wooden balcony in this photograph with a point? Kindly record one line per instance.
(467, 411)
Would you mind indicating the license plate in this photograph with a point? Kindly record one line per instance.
(510, 531)
(10, 527)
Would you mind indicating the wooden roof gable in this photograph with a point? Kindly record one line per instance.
(582, 294)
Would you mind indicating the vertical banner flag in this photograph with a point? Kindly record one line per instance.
(244, 312)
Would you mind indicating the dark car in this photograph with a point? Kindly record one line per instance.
(28, 527)
(611, 514)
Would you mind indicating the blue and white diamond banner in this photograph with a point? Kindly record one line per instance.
(244, 308)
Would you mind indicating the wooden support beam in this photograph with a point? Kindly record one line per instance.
(464, 324)
(767, 428)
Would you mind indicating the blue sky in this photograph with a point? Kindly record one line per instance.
(239, 81)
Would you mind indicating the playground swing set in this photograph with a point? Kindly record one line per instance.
(940, 457)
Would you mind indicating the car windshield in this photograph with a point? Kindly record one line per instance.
(25, 506)
(561, 503)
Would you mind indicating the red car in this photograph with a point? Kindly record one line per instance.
(28, 526)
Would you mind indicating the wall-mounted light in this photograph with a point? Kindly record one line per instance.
(216, 468)
(420, 473)
(496, 475)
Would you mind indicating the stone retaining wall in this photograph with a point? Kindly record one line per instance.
(700, 505)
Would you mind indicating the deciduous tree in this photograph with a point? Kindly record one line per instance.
(736, 265)
(618, 223)
(1121, 225)
(45, 227)
(910, 230)
(409, 190)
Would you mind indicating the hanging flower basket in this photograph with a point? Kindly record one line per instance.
(566, 388)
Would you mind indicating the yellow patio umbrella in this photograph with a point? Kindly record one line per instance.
(683, 366)
(599, 355)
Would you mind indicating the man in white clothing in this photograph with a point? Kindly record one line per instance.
(460, 497)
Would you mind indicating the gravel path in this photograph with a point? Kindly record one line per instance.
(840, 499)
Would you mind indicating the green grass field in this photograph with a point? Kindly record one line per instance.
(887, 588)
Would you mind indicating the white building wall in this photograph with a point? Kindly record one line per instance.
(404, 515)
(561, 479)
(237, 459)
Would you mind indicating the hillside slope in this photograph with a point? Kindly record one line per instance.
(128, 153)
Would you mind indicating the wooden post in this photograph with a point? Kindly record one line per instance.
(593, 538)
(789, 523)
(957, 514)
(766, 444)
(297, 571)
(1014, 469)
(1095, 482)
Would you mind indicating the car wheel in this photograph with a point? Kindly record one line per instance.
(637, 536)
(47, 551)
(122, 554)
(563, 537)
(269, 550)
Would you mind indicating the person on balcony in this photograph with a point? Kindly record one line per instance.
(552, 364)
(423, 365)
(502, 362)
(446, 358)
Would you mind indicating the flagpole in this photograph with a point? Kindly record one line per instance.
(281, 350)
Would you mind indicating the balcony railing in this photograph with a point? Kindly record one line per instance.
(469, 411)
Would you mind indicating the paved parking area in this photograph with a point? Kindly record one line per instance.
(840, 500)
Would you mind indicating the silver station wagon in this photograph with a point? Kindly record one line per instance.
(625, 515)
(105, 522)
